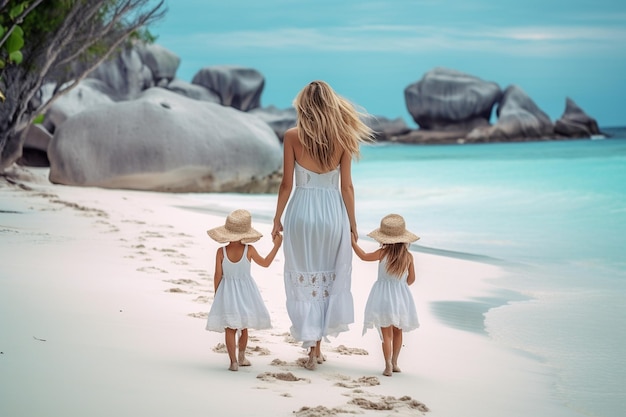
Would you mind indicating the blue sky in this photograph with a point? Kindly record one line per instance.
(371, 50)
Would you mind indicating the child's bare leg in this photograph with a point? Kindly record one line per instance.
(387, 334)
(397, 345)
(230, 348)
(243, 343)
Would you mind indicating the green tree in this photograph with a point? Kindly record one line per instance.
(60, 41)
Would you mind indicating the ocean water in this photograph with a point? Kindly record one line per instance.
(552, 214)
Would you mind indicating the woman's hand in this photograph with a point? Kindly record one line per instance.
(277, 229)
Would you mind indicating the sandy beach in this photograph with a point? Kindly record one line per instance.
(103, 300)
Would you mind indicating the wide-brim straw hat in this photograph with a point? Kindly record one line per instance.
(238, 228)
(393, 230)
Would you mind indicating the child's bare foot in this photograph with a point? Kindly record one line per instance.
(233, 367)
(388, 369)
(242, 359)
(396, 368)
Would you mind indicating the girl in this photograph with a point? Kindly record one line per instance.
(238, 304)
(390, 306)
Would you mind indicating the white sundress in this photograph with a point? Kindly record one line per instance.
(237, 303)
(318, 257)
(390, 303)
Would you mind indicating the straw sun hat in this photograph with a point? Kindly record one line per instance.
(393, 230)
(238, 228)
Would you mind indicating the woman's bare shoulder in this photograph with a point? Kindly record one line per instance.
(291, 134)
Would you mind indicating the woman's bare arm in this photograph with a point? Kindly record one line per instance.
(286, 185)
(347, 190)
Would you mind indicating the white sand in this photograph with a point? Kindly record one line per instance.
(102, 299)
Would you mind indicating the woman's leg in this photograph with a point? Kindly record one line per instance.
(320, 357)
(311, 363)
(387, 334)
(397, 345)
(230, 348)
(243, 343)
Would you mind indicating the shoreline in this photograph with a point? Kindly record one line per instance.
(102, 307)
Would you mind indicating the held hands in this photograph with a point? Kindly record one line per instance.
(278, 227)
(277, 239)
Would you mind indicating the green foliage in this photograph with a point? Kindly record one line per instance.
(11, 46)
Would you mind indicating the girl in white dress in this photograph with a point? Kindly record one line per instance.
(390, 307)
(238, 304)
(320, 217)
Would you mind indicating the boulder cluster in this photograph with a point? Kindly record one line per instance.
(133, 125)
(452, 107)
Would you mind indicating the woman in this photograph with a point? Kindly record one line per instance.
(320, 216)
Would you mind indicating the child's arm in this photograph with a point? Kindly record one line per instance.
(410, 279)
(217, 276)
(366, 256)
(265, 262)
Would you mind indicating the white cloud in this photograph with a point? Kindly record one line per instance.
(523, 40)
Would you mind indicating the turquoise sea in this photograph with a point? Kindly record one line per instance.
(552, 214)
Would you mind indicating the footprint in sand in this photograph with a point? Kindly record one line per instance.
(250, 350)
(183, 281)
(387, 403)
(177, 290)
(343, 350)
(201, 315)
(405, 405)
(368, 381)
(280, 376)
(151, 269)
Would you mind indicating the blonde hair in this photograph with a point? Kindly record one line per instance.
(327, 121)
(398, 258)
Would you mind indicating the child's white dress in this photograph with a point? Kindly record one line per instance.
(237, 303)
(390, 303)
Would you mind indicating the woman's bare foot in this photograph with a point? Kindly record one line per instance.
(242, 359)
(233, 367)
(311, 363)
(321, 359)
(396, 368)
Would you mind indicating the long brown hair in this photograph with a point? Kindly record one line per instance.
(398, 258)
(327, 121)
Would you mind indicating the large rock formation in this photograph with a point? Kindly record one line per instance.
(162, 63)
(237, 87)
(87, 94)
(279, 120)
(386, 129)
(575, 123)
(519, 119)
(124, 75)
(445, 99)
(194, 91)
(163, 141)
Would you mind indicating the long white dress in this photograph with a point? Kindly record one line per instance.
(390, 303)
(318, 257)
(238, 303)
